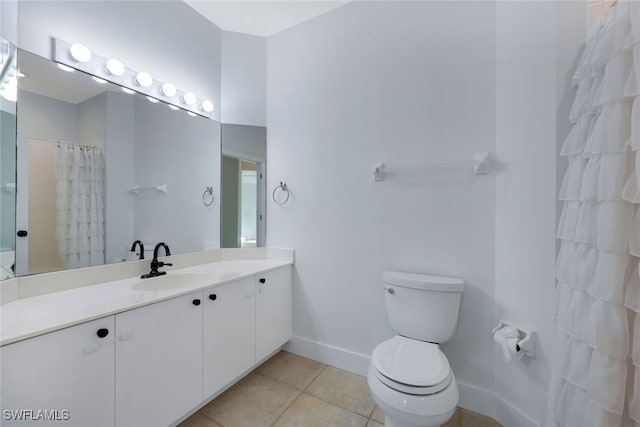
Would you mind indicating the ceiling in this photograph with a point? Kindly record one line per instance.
(43, 77)
(261, 18)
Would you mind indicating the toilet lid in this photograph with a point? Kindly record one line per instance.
(412, 362)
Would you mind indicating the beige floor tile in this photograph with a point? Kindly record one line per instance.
(455, 420)
(256, 401)
(473, 419)
(307, 411)
(342, 388)
(372, 423)
(377, 415)
(198, 420)
(290, 369)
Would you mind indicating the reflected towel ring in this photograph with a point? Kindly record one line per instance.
(283, 187)
(208, 194)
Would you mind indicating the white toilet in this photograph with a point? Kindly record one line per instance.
(409, 377)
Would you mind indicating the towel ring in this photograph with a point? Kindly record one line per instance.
(207, 197)
(282, 187)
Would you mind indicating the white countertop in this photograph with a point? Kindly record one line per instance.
(28, 317)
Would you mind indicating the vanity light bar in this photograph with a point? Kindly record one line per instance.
(79, 57)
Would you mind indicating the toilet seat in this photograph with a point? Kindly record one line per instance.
(411, 366)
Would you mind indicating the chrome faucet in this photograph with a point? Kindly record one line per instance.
(155, 264)
(133, 248)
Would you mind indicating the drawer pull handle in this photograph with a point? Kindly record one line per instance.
(213, 297)
(91, 348)
(102, 332)
(126, 335)
(262, 280)
(196, 301)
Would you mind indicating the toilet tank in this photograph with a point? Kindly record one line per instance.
(422, 307)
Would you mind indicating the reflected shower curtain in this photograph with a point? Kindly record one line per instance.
(80, 205)
(596, 376)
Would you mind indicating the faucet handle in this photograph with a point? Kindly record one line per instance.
(162, 264)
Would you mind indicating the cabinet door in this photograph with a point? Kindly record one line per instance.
(159, 361)
(64, 377)
(229, 333)
(273, 311)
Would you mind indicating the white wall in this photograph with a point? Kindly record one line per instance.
(244, 79)
(168, 39)
(410, 84)
(538, 45)
(526, 195)
(9, 20)
(366, 83)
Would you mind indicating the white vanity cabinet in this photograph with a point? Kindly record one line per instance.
(151, 365)
(273, 311)
(229, 331)
(159, 361)
(68, 373)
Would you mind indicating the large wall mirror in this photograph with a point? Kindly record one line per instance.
(98, 168)
(8, 93)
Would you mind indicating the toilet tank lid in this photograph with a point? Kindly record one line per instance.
(423, 281)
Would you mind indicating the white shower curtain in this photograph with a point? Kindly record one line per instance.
(596, 374)
(80, 205)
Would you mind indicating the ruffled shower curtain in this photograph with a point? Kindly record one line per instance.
(80, 205)
(596, 375)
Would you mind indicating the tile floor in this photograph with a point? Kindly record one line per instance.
(289, 390)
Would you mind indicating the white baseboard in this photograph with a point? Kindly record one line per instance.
(471, 397)
(329, 355)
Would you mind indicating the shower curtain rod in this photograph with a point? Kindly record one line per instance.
(59, 141)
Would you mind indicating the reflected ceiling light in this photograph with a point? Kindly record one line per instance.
(65, 67)
(80, 53)
(127, 90)
(10, 93)
(191, 114)
(115, 67)
(169, 90)
(207, 106)
(189, 98)
(99, 80)
(144, 79)
(151, 99)
(173, 107)
(21, 74)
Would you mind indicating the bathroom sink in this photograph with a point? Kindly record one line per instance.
(172, 281)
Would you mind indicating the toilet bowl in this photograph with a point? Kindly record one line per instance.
(409, 377)
(411, 392)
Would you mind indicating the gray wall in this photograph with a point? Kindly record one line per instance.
(230, 224)
(7, 176)
(183, 152)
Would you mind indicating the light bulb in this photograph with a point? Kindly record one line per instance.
(144, 79)
(99, 80)
(169, 90)
(207, 106)
(10, 93)
(127, 90)
(65, 68)
(80, 53)
(115, 67)
(189, 98)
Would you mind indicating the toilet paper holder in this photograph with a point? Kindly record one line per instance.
(526, 339)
